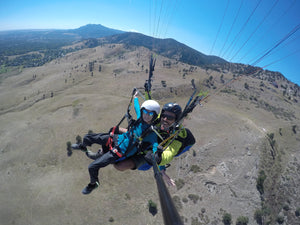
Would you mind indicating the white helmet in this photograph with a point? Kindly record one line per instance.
(151, 105)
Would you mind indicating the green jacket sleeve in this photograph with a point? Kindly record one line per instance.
(169, 153)
(172, 150)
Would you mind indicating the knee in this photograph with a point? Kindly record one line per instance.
(86, 137)
(91, 167)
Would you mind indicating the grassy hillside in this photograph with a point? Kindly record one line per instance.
(43, 108)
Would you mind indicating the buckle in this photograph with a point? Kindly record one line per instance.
(117, 152)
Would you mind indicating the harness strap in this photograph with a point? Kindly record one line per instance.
(114, 150)
(110, 141)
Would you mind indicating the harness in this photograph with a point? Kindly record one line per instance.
(110, 142)
(130, 121)
(138, 143)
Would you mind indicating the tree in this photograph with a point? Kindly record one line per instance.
(294, 129)
(152, 207)
(222, 79)
(227, 219)
(78, 139)
(258, 216)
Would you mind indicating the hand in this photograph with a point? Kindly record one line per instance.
(160, 149)
(149, 157)
(158, 154)
(167, 179)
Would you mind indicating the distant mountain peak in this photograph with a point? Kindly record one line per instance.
(95, 31)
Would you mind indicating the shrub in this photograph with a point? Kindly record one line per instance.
(185, 200)
(193, 197)
(227, 219)
(195, 221)
(258, 216)
(179, 183)
(242, 220)
(177, 202)
(286, 207)
(152, 207)
(294, 129)
(195, 169)
(127, 196)
(297, 212)
(260, 181)
(280, 219)
(271, 136)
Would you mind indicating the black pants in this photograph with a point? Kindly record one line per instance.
(100, 139)
(107, 158)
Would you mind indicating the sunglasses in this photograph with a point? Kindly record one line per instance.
(147, 112)
(168, 117)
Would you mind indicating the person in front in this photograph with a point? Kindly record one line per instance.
(116, 146)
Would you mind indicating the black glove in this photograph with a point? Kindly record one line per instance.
(160, 149)
(158, 154)
(149, 157)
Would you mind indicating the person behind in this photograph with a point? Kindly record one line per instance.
(117, 146)
(182, 143)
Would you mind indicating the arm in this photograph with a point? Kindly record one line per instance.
(167, 179)
(137, 106)
(122, 130)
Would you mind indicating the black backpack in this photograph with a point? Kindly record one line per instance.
(187, 142)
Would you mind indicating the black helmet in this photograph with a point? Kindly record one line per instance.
(172, 107)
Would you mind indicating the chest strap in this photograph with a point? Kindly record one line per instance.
(110, 142)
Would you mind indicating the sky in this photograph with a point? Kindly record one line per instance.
(263, 33)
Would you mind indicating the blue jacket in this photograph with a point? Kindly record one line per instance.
(126, 140)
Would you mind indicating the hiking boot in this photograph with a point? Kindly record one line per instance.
(79, 147)
(89, 188)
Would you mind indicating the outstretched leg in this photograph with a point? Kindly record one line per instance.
(89, 139)
(103, 161)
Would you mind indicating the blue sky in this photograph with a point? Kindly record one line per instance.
(264, 33)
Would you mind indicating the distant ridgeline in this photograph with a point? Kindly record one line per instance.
(32, 48)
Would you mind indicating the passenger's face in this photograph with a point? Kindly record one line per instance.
(147, 115)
